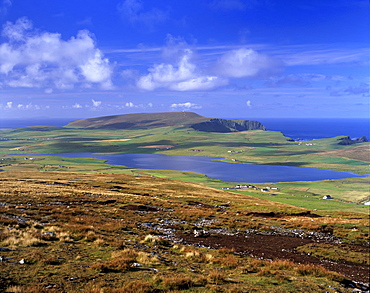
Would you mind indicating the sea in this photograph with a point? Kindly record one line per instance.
(295, 128)
(26, 122)
(316, 128)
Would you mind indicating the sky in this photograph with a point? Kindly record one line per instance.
(218, 58)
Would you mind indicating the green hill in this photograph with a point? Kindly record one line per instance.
(156, 120)
(140, 121)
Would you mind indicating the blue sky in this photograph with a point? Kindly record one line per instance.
(218, 58)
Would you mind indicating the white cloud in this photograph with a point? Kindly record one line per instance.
(10, 106)
(186, 105)
(41, 59)
(77, 106)
(249, 104)
(199, 83)
(246, 63)
(96, 103)
(129, 105)
(97, 69)
(183, 76)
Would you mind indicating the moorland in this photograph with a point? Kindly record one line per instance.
(71, 225)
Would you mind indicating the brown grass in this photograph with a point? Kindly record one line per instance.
(75, 233)
(356, 153)
(177, 282)
(217, 276)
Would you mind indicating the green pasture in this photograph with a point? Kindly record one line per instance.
(248, 147)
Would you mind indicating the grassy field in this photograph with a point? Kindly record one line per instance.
(248, 147)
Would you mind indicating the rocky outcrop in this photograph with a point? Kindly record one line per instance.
(348, 141)
(226, 125)
(361, 139)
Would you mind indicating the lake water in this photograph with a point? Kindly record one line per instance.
(228, 172)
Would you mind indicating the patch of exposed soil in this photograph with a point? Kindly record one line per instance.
(141, 208)
(278, 247)
(280, 215)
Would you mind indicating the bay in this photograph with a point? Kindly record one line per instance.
(211, 167)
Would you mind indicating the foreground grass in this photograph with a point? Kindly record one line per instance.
(66, 232)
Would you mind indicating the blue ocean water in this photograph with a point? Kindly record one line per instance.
(310, 128)
(18, 123)
(296, 128)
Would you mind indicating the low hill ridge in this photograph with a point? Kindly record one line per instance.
(141, 120)
(155, 120)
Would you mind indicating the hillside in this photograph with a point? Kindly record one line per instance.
(75, 232)
(140, 121)
(172, 119)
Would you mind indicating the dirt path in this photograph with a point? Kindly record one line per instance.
(278, 247)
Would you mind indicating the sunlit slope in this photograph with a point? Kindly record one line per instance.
(140, 121)
(168, 119)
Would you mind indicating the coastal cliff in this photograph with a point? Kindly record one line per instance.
(226, 125)
(348, 141)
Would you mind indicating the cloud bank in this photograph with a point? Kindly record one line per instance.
(185, 106)
(247, 63)
(181, 76)
(184, 74)
(36, 59)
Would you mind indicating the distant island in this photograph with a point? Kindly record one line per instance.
(179, 119)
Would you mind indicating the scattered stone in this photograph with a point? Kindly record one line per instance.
(49, 234)
(200, 233)
(153, 270)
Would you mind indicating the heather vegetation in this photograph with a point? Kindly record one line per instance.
(70, 225)
(125, 233)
